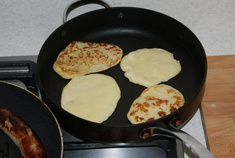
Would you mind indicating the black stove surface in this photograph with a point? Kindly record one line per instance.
(22, 71)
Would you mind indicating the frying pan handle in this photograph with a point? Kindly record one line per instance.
(195, 146)
(79, 3)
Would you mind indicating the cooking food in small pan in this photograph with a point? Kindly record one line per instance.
(21, 134)
(94, 97)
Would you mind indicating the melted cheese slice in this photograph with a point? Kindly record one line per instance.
(93, 97)
(155, 102)
(148, 67)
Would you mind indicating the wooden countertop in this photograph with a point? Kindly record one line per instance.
(218, 106)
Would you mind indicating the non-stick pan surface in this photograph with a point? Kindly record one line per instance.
(36, 114)
(130, 29)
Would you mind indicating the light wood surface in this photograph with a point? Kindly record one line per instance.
(218, 106)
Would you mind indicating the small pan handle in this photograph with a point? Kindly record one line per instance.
(195, 146)
(79, 3)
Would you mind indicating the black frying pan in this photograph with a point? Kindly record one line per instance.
(130, 29)
(35, 113)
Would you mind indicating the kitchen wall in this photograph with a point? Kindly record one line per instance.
(25, 25)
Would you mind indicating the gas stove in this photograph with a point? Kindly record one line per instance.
(21, 71)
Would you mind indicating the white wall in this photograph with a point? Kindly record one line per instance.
(25, 25)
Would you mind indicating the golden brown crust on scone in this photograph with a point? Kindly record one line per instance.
(21, 134)
(155, 102)
(80, 58)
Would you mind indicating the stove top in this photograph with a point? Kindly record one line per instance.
(21, 71)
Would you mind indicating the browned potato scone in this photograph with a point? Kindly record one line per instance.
(155, 102)
(80, 58)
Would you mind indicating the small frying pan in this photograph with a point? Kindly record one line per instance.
(36, 114)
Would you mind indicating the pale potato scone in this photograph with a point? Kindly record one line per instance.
(148, 67)
(92, 97)
(155, 102)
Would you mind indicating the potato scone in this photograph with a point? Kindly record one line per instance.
(148, 67)
(80, 58)
(155, 102)
(93, 97)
